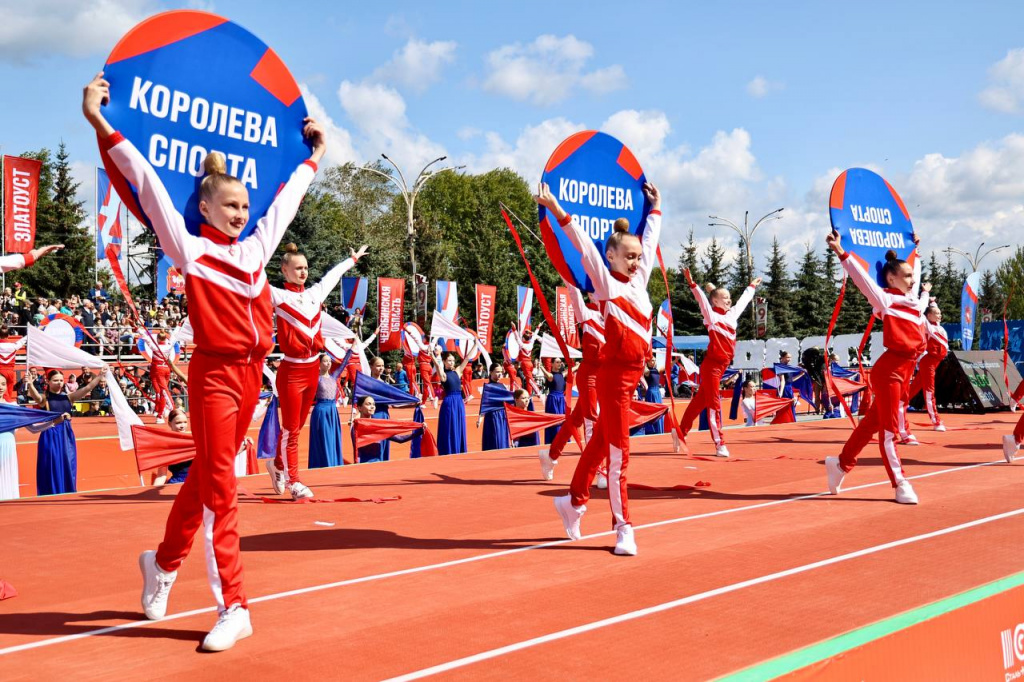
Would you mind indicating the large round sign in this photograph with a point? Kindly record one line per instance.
(64, 327)
(184, 83)
(871, 219)
(597, 180)
(510, 351)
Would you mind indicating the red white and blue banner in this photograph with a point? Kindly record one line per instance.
(664, 318)
(145, 347)
(390, 313)
(524, 297)
(21, 195)
(597, 180)
(184, 83)
(871, 219)
(446, 299)
(108, 218)
(565, 318)
(486, 297)
(969, 309)
(353, 294)
(169, 281)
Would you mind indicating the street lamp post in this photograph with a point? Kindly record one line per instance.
(747, 233)
(409, 195)
(975, 260)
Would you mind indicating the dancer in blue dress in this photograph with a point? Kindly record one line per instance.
(492, 412)
(554, 382)
(451, 417)
(57, 463)
(653, 395)
(324, 424)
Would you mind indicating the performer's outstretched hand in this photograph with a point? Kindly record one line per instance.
(36, 254)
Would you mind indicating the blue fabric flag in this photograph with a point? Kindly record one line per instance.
(382, 392)
(14, 417)
(495, 397)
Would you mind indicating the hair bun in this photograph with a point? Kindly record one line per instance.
(621, 225)
(291, 247)
(215, 164)
(891, 255)
(709, 287)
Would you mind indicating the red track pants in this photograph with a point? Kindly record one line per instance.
(531, 384)
(429, 389)
(708, 396)
(160, 377)
(296, 388)
(889, 380)
(616, 385)
(222, 396)
(12, 378)
(925, 381)
(584, 412)
(410, 371)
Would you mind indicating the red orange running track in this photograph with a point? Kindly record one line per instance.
(470, 560)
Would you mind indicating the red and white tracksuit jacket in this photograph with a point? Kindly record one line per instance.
(721, 326)
(231, 312)
(421, 350)
(627, 311)
(924, 380)
(160, 376)
(904, 339)
(8, 359)
(526, 360)
(585, 411)
(297, 309)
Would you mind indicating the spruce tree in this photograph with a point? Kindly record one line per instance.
(812, 304)
(713, 264)
(740, 276)
(685, 312)
(990, 299)
(778, 292)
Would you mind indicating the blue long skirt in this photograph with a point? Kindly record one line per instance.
(57, 463)
(496, 431)
(382, 412)
(325, 436)
(653, 395)
(554, 404)
(451, 425)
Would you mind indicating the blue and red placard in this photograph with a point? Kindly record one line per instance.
(969, 309)
(353, 294)
(871, 219)
(183, 83)
(597, 180)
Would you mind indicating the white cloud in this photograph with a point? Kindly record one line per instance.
(75, 28)
(548, 70)
(1006, 89)
(760, 87)
(418, 64)
(378, 112)
(528, 154)
(340, 149)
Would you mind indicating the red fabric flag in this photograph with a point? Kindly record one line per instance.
(370, 431)
(642, 413)
(766, 404)
(21, 193)
(486, 294)
(158, 447)
(390, 312)
(847, 387)
(523, 422)
(7, 590)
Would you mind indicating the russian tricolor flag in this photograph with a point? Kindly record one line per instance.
(108, 218)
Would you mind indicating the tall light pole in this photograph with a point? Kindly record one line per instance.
(747, 233)
(409, 194)
(975, 260)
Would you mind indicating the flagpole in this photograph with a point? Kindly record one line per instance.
(96, 225)
(3, 213)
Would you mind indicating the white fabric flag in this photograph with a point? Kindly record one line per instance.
(443, 328)
(549, 348)
(49, 351)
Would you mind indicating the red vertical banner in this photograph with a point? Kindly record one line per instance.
(390, 313)
(21, 192)
(565, 318)
(485, 296)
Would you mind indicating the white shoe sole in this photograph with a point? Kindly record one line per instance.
(247, 632)
(570, 524)
(145, 586)
(835, 480)
(1009, 448)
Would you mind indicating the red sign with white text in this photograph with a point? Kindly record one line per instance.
(565, 318)
(485, 297)
(390, 313)
(21, 192)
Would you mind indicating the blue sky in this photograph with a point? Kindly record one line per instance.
(729, 106)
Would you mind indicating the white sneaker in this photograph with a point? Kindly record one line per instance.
(601, 481)
(905, 493)
(278, 479)
(835, 475)
(232, 625)
(940, 428)
(156, 586)
(159, 420)
(547, 465)
(1010, 448)
(625, 543)
(299, 491)
(721, 451)
(570, 516)
(910, 440)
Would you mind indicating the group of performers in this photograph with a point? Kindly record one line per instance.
(233, 308)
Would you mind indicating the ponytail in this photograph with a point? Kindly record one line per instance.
(216, 171)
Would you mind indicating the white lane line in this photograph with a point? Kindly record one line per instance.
(640, 613)
(459, 562)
